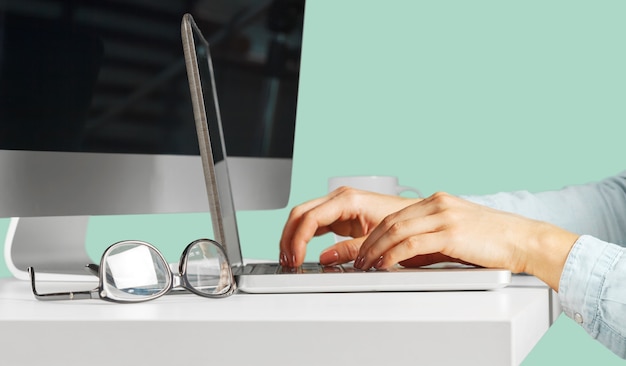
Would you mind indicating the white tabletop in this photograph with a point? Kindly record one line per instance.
(480, 327)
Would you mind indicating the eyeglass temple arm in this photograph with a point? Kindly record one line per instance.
(78, 295)
(93, 269)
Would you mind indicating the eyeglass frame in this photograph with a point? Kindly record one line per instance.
(178, 280)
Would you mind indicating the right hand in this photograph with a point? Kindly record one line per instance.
(345, 211)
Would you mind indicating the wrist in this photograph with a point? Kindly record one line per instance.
(547, 252)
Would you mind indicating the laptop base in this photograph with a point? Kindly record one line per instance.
(312, 277)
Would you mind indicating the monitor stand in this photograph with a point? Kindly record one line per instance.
(53, 246)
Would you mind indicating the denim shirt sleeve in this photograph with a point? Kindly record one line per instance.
(593, 291)
(596, 209)
(592, 288)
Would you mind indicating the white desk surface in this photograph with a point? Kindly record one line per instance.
(427, 328)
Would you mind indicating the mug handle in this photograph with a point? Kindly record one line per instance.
(400, 189)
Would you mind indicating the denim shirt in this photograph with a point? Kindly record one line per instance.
(592, 288)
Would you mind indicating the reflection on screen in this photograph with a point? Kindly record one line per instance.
(211, 100)
(102, 77)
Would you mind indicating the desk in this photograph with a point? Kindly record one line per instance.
(437, 328)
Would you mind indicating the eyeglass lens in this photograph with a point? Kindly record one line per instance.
(206, 269)
(134, 271)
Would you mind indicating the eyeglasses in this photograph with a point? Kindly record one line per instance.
(134, 271)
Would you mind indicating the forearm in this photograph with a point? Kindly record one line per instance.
(596, 209)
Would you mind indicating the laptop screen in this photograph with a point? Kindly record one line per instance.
(211, 138)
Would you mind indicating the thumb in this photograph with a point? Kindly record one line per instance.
(341, 252)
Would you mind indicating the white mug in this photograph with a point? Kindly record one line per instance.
(384, 184)
(373, 183)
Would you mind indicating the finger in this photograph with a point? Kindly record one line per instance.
(392, 231)
(421, 245)
(286, 253)
(342, 252)
(420, 209)
(312, 219)
(285, 256)
(297, 212)
(315, 221)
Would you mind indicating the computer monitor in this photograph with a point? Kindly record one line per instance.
(96, 117)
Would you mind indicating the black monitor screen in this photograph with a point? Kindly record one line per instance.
(109, 76)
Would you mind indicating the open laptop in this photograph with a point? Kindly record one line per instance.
(310, 277)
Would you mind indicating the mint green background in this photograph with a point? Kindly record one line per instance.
(469, 97)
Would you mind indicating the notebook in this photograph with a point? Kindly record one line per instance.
(310, 277)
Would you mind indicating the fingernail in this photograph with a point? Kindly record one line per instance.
(359, 262)
(293, 260)
(329, 257)
(379, 263)
(283, 259)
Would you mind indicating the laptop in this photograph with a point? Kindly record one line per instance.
(310, 277)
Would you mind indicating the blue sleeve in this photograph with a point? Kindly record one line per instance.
(592, 291)
(592, 288)
(596, 209)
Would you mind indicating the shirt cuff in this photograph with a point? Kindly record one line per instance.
(582, 280)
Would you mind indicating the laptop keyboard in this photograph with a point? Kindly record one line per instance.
(270, 268)
(310, 268)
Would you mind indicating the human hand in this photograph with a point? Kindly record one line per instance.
(443, 227)
(345, 211)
